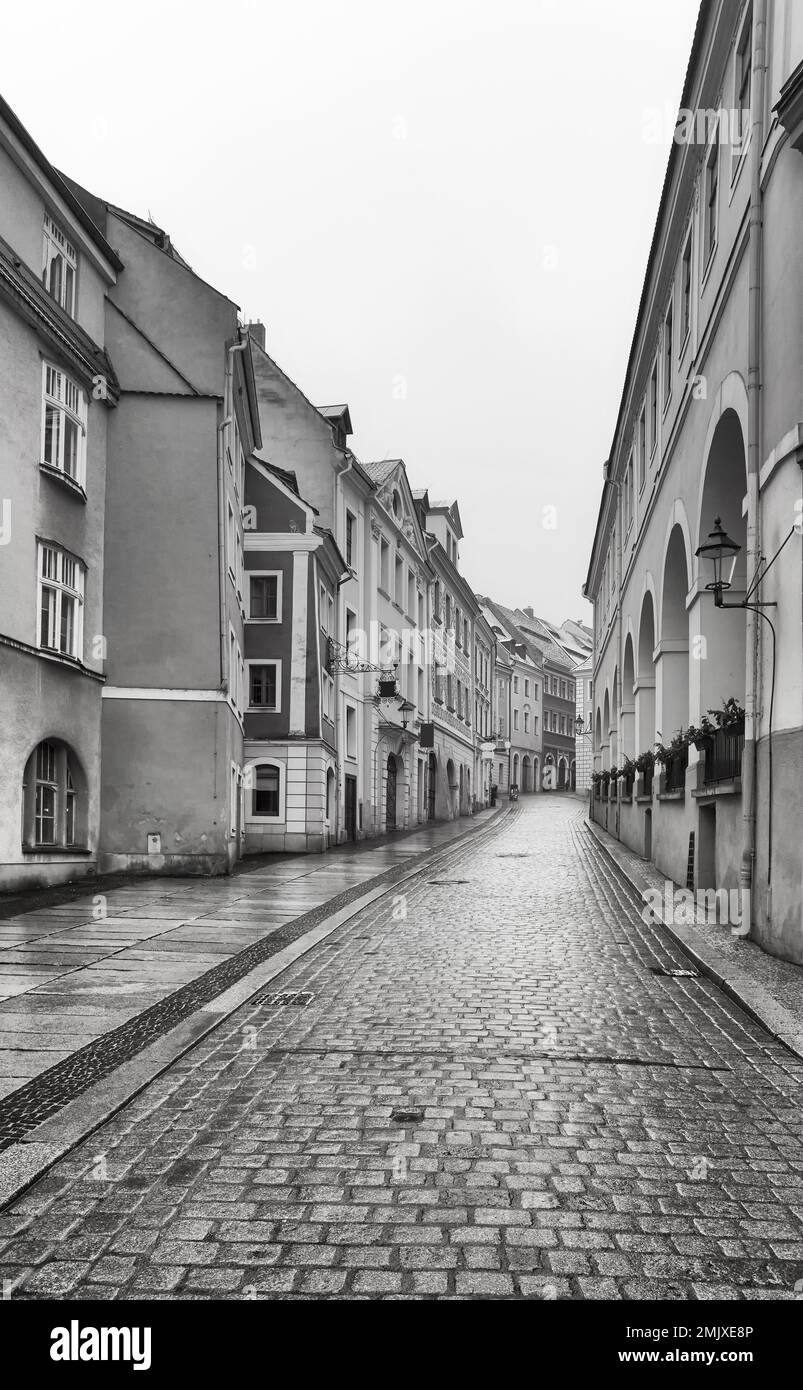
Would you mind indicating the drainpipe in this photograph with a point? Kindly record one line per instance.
(340, 473)
(753, 547)
(221, 511)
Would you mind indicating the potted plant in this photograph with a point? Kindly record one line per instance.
(730, 714)
(702, 735)
(645, 762)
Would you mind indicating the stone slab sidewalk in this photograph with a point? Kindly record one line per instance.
(72, 972)
(770, 990)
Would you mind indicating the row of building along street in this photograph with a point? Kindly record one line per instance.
(222, 632)
(695, 573)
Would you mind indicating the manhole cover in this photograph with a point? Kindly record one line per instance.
(293, 998)
(407, 1117)
(674, 974)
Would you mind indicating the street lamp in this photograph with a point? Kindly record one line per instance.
(721, 551)
(406, 708)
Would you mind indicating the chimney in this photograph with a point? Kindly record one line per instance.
(257, 332)
(529, 612)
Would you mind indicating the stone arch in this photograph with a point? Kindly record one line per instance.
(719, 636)
(644, 685)
(672, 667)
(628, 719)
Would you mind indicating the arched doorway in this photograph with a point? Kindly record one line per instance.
(391, 793)
(563, 775)
(515, 779)
(330, 805)
(719, 635)
(550, 777)
(431, 784)
(628, 701)
(469, 807)
(452, 784)
(525, 774)
(573, 775)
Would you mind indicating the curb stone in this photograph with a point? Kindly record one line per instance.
(756, 1000)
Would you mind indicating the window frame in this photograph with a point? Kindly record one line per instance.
(278, 575)
(256, 817)
(276, 663)
(55, 243)
(710, 201)
(59, 587)
(78, 416)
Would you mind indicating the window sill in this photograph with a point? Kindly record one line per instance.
(272, 622)
(672, 796)
(56, 849)
(64, 478)
(644, 800)
(259, 709)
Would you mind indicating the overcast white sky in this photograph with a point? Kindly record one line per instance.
(441, 210)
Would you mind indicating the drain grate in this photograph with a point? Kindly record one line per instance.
(406, 1117)
(448, 882)
(675, 974)
(289, 998)
(513, 856)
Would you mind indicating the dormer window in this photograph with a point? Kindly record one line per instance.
(59, 266)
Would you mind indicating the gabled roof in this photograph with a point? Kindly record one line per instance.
(60, 184)
(381, 471)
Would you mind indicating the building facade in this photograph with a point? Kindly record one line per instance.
(59, 394)
(708, 440)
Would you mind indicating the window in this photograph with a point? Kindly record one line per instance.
(437, 602)
(263, 685)
(667, 365)
(63, 425)
(627, 495)
(420, 610)
(351, 733)
(61, 600)
(642, 448)
(535, 690)
(398, 581)
(351, 634)
(711, 191)
(351, 526)
(411, 594)
(450, 692)
(439, 683)
(466, 645)
(327, 696)
(515, 685)
(563, 723)
(231, 531)
(53, 798)
(267, 791)
(458, 625)
(384, 565)
(236, 672)
(685, 291)
(265, 598)
(535, 725)
(563, 690)
(59, 266)
(515, 719)
(448, 610)
(743, 87)
(526, 721)
(653, 408)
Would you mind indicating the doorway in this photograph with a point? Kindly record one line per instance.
(390, 795)
(431, 783)
(351, 808)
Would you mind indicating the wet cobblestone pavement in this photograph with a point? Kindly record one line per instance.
(495, 1089)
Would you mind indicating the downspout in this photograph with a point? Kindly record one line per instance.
(339, 475)
(753, 547)
(221, 511)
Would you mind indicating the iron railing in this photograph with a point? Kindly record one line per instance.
(675, 771)
(723, 755)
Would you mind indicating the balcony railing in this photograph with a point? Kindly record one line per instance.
(723, 756)
(675, 771)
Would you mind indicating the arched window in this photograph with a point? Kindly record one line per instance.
(437, 600)
(54, 799)
(267, 791)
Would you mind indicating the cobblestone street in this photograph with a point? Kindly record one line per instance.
(490, 1086)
